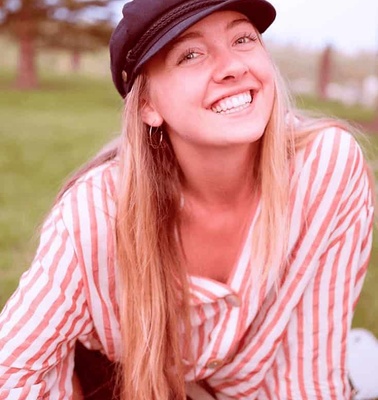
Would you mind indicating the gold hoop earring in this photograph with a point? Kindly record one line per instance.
(155, 144)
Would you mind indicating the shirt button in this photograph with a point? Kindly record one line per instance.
(214, 363)
(233, 300)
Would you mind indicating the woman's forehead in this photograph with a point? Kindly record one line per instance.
(224, 20)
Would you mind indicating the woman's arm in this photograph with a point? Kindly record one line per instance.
(311, 362)
(42, 320)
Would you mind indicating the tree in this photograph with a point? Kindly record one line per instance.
(324, 73)
(71, 24)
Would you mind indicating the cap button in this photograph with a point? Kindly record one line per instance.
(214, 363)
(124, 76)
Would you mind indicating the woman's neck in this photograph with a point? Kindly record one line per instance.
(218, 177)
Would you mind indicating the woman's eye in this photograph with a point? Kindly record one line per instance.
(188, 56)
(246, 38)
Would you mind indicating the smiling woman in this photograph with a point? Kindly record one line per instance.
(216, 250)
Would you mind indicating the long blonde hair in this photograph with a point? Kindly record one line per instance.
(153, 285)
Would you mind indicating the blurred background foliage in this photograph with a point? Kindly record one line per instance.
(58, 107)
(76, 26)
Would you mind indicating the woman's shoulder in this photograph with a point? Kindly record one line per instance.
(331, 148)
(336, 137)
(97, 182)
(89, 201)
(331, 164)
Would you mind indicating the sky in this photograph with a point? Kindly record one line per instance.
(349, 25)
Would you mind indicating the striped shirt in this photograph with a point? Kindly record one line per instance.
(250, 340)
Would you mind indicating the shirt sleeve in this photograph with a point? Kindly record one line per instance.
(42, 320)
(311, 362)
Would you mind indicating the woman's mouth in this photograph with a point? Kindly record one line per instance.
(233, 104)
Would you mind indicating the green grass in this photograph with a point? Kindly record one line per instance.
(356, 113)
(46, 134)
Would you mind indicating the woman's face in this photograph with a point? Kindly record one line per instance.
(213, 85)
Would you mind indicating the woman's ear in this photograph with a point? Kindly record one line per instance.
(150, 115)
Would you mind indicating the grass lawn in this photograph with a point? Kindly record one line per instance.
(334, 108)
(46, 134)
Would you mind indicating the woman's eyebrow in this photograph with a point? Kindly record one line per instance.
(237, 22)
(183, 38)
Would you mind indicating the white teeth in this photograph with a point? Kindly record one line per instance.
(233, 103)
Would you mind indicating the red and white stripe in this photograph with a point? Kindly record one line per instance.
(250, 341)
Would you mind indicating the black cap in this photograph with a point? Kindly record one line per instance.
(148, 25)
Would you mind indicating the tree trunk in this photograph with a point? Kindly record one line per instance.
(324, 73)
(75, 60)
(27, 72)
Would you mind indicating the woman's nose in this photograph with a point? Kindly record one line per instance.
(229, 66)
